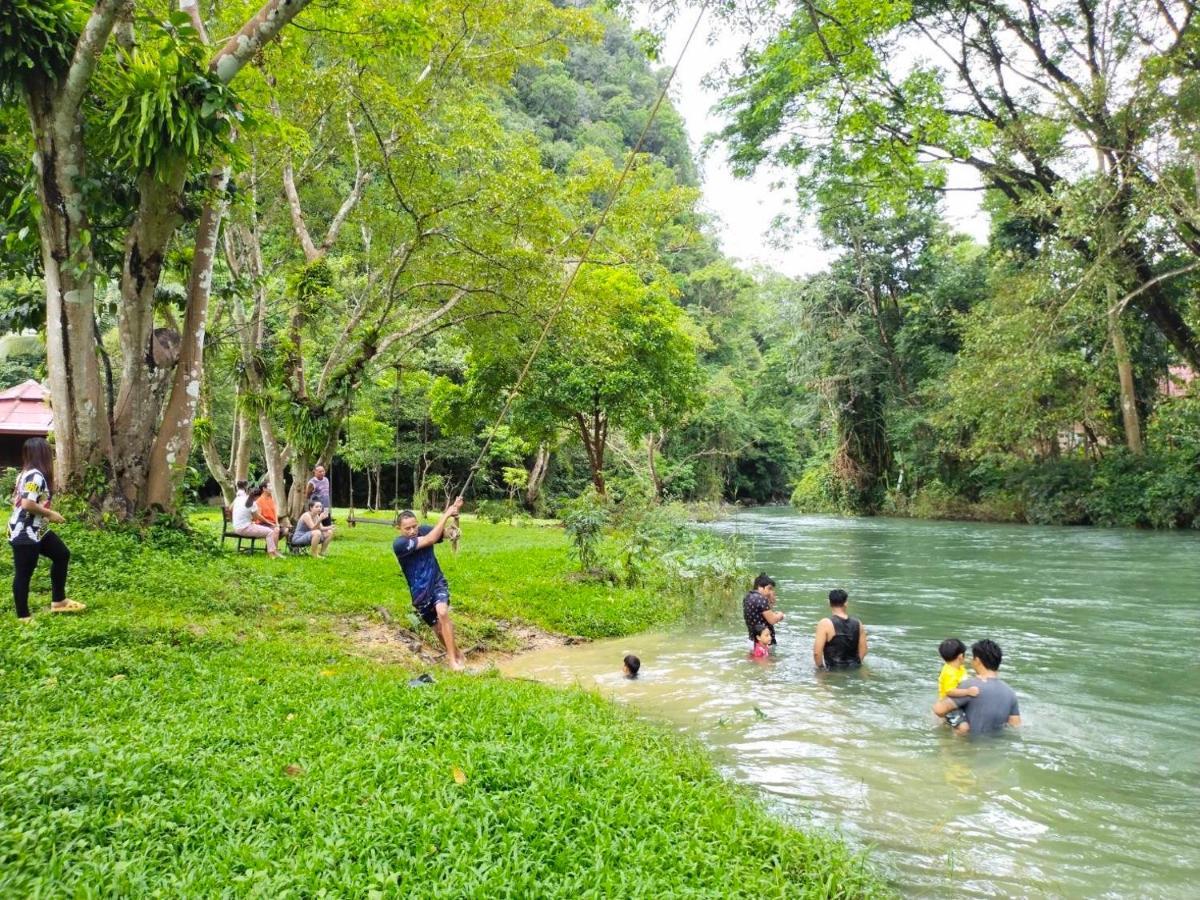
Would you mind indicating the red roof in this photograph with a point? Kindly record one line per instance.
(23, 410)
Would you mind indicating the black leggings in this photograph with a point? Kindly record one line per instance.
(25, 560)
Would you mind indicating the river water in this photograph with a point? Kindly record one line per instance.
(1097, 795)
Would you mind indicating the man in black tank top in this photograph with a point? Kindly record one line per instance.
(841, 642)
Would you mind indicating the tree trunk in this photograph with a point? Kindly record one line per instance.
(145, 368)
(301, 472)
(173, 444)
(537, 475)
(594, 443)
(82, 424)
(276, 459)
(653, 442)
(242, 449)
(212, 456)
(1129, 410)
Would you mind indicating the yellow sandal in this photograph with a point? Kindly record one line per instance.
(68, 606)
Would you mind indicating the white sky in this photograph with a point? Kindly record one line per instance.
(746, 208)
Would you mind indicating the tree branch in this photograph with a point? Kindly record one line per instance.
(262, 27)
(87, 53)
(421, 324)
(311, 253)
(361, 178)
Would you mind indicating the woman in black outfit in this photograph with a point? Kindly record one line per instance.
(28, 535)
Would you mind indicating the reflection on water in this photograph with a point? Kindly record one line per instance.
(1097, 796)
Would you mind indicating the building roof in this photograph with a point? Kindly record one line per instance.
(23, 410)
(1177, 381)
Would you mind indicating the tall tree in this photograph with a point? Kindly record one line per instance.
(879, 98)
(158, 105)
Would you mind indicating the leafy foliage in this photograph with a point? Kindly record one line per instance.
(168, 109)
(37, 38)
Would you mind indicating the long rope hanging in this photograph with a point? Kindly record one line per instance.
(562, 299)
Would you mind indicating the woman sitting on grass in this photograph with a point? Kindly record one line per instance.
(28, 535)
(310, 532)
(249, 523)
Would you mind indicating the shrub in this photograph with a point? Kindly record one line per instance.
(819, 490)
(584, 519)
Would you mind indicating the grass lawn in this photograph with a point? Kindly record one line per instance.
(203, 730)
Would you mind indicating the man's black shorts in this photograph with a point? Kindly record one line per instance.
(428, 610)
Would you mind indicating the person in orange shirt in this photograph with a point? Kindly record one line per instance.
(267, 510)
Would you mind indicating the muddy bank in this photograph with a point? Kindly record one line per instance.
(385, 637)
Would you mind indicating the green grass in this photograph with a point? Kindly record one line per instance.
(202, 731)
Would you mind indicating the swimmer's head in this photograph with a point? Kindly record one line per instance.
(952, 649)
(764, 636)
(838, 597)
(988, 654)
(765, 585)
(632, 664)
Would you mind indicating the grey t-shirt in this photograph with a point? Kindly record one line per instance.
(990, 710)
(320, 491)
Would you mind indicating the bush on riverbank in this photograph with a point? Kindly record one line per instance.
(1117, 490)
(203, 730)
(655, 547)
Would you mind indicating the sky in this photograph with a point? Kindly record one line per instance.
(746, 208)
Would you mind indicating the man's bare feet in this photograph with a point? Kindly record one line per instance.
(456, 664)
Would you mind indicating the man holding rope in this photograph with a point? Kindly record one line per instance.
(428, 586)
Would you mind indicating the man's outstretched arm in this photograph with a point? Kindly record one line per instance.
(435, 534)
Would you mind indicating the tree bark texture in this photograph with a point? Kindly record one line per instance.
(145, 373)
(173, 443)
(537, 475)
(82, 430)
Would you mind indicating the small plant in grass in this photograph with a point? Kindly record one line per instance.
(584, 519)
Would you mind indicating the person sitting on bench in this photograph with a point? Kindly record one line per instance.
(268, 511)
(310, 532)
(249, 523)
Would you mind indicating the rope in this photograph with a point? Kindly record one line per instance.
(537, 346)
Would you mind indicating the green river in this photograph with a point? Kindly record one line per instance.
(1097, 795)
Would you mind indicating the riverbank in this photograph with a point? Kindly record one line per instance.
(212, 724)
(1118, 490)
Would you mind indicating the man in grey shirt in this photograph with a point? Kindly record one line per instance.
(996, 704)
(318, 489)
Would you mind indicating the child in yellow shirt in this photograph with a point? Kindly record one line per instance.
(953, 652)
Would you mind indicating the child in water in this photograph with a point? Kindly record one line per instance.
(762, 645)
(631, 666)
(953, 653)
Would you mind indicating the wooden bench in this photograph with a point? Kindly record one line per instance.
(353, 520)
(251, 543)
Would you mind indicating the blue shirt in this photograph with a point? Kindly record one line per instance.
(420, 566)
